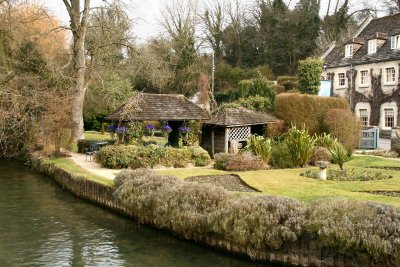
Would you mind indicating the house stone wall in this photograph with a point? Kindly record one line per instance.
(377, 94)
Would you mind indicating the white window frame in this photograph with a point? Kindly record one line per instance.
(372, 46)
(393, 76)
(348, 52)
(342, 79)
(383, 114)
(395, 42)
(385, 117)
(364, 82)
(363, 114)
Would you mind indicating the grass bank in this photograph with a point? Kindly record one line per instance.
(73, 168)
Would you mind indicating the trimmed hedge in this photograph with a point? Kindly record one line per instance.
(121, 156)
(366, 232)
(288, 82)
(307, 110)
(344, 126)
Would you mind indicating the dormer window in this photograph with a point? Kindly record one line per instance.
(372, 46)
(395, 42)
(348, 50)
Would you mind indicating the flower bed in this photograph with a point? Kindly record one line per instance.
(348, 175)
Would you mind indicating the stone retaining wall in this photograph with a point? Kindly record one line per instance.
(304, 252)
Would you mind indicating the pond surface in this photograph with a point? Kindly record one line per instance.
(43, 225)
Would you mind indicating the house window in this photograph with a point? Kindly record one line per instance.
(342, 80)
(364, 77)
(371, 46)
(348, 51)
(364, 116)
(389, 117)
(395, 42)
(390, 75)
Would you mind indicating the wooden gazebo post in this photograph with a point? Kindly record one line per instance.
(226, 146)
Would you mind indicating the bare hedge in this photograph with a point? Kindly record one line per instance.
(307, 110)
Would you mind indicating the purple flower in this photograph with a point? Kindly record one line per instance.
(121, 129)
(167, 128)
(111, 128)
(184, 129)
(150, 127)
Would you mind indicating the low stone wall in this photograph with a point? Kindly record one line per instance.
(395, 139)
(304, 252)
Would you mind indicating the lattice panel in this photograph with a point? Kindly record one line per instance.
(239, 133)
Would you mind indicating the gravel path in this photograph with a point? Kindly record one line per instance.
(93, 167)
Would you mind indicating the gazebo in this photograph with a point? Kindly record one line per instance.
(171, 108)
(233, 125)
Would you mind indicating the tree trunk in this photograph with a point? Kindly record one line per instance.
(80, 87)
(329, 7)
(78, 22)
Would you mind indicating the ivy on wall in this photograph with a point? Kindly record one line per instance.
(375, 97)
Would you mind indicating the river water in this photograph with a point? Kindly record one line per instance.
(43, 225)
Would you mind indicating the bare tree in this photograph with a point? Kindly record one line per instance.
(392, 6)
(78, 22)
(214, 23)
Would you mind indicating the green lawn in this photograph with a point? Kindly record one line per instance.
(289, 183)
(96, 135)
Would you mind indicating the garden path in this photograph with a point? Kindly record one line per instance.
(93, 167)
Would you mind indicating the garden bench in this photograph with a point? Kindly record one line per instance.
(93, 148)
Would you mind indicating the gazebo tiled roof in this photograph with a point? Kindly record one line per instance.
(240, 117)
(170, 107)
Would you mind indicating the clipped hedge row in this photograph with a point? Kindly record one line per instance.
(121, 156)
(367, 232)
(308, 110)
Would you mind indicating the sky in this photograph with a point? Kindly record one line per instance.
(146, 14)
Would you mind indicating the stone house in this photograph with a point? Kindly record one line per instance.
(366, 71)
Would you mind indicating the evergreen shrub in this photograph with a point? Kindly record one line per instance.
(122, 156)
(309, 73)
(300, 145)
(280, 156)
(307, 110)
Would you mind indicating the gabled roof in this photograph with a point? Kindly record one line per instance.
(240, 117)
(384, 26)
(170, 107)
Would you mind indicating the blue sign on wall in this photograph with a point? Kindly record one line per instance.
(325, 88)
